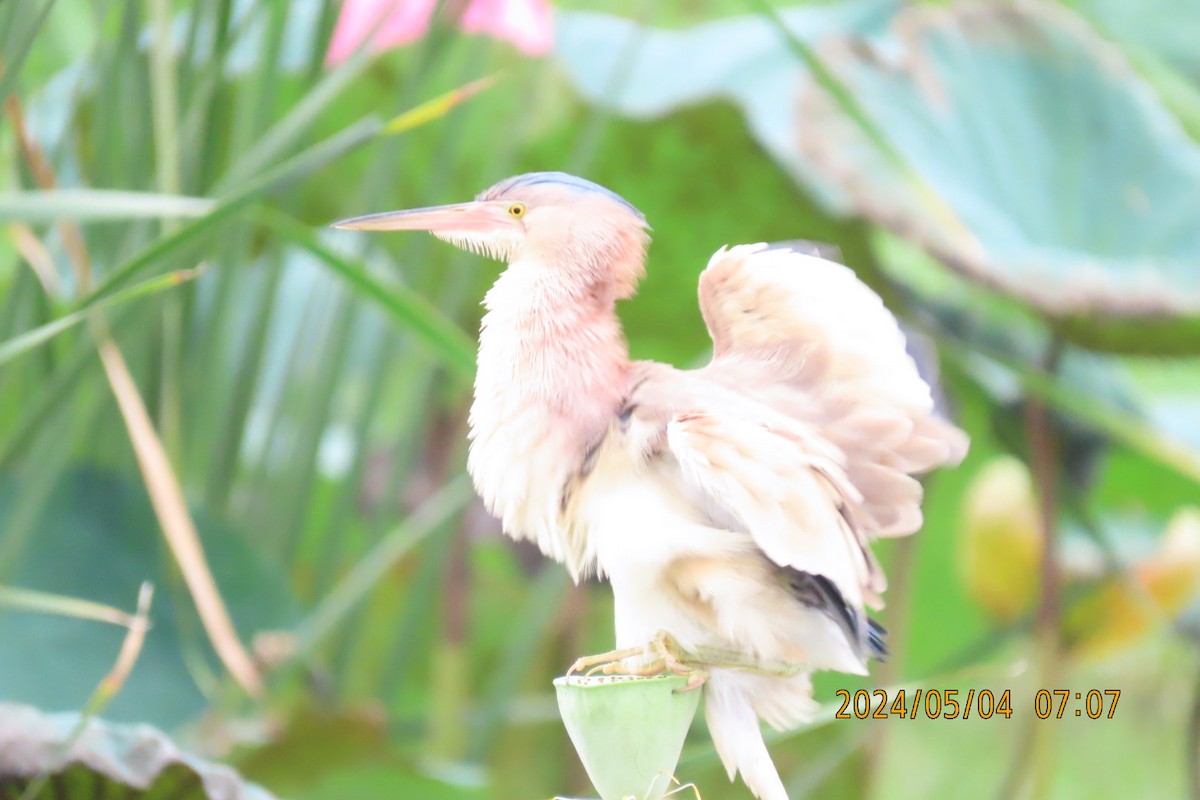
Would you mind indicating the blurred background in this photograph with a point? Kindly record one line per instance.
(189, 355)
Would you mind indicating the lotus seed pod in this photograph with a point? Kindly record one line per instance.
(628, 730)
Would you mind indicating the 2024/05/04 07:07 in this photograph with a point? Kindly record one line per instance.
(983, 703)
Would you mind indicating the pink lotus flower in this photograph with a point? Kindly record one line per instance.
(524, 23)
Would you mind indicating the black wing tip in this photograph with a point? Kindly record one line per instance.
(871, 637)
(877, 640)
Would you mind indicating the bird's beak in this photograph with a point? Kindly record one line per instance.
(480, 216)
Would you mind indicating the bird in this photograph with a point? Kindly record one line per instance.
(730, 507)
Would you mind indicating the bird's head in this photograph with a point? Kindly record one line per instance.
(551, 219)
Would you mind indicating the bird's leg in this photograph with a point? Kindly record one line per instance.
(732, 659)
(694, 663)
(669, 656)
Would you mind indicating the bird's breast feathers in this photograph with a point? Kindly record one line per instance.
(597, 498)
(521, 459)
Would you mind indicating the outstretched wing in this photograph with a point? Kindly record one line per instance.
(817, 418)
(783, 486)
(771, 304)
(807, 337)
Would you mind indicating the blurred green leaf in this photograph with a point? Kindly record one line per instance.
(1076, 190)
(312, 743)
(1166, 28)
(97, 540)
(504, 676)
(91, 758)
(1102, 413)
(643, 72)
(370, 782)
(1179, 94)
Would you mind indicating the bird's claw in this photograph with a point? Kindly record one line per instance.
(610, 663)
(669, 656)
(664, 654)
(695, 679)
(674, 658)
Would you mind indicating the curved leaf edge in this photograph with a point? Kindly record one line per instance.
(1103, 321)
(34, 743)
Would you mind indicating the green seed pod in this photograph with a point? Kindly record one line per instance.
(628, 730)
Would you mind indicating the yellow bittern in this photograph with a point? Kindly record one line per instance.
(731, 507)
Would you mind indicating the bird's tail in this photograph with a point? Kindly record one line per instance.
(729, 707)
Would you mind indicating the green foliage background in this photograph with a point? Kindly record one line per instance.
(310, 390)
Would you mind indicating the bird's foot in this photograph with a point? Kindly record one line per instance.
(665, 654)
(668, 656)
(672, 657)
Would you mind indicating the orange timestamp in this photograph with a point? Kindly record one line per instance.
(982, 703)
(930, 703)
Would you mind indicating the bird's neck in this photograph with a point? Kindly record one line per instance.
(553, 341)
(553, 374)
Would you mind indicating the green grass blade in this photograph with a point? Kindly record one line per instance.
(15, 59)
(164, 99)
(325, 540)
(48, 603)
(28, 340)
(233, 409)
(253, 111)
(357, 583)
(285, 133)
(408, 308)
(439, 106)
(293, 503)
(541, 607)
(416, 630)
(308, 161)
(322, 33)
(93, 205)
(61, 386)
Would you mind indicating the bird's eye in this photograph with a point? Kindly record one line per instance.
(516, 210)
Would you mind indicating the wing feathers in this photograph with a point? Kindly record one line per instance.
(811, 420)
(789, 498)
(828, 352)
(759, 299)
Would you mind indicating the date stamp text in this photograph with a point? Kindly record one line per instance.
(980, 703)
